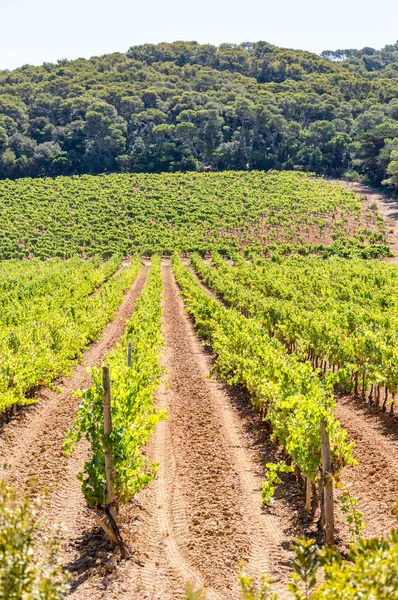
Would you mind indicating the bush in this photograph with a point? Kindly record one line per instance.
(23, 575)
(369, 573)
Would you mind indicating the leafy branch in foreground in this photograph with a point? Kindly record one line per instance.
(250, 590)
(370, 572)
(23, 575)
(306, 565)
(348, 506)
(192, 594)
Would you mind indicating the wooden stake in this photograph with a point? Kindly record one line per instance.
(392, 404)
(107, 530)
(314, 501)
(328, 508)
(378, 395)
(383, 408)
(129, 351)
(308, 495)
(110, 506)
(110, 500)
(119, 540)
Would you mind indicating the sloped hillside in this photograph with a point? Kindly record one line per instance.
(159, 213)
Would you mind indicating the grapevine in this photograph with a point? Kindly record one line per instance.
(134, 414)
(286, 391)
(50, 312)
(147, 214)
(341, 315)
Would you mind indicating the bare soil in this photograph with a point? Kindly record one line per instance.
(210, 480)
(374, 481)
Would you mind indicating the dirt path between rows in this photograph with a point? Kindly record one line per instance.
(210, 481)
(374, 481)
(31, 455)
(203, 514)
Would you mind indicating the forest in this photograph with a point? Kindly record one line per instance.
(185, 106)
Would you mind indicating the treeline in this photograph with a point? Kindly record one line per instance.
(185, 106)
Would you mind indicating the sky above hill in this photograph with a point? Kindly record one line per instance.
(37, 31)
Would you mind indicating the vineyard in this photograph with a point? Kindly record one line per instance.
(194, 212)
(341, 316)
(50, 312)
(198, 378)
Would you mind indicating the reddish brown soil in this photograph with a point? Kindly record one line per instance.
(215, 503)
(374, 481)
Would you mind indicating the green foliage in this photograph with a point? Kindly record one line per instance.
(155, 214)
(134, 414)
(348, 506)
(251, 591)
(371, 573)
(49, 313)
(22, 573)
(339, 312)
(192, 594)
(392, 169)
(272, 479)
(305, 564)
(286, 390)
(186, 106)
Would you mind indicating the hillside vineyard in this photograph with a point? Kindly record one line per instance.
(192, 212)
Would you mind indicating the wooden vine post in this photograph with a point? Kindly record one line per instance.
(308, 494)
(110, 505)
(110, 496)
(327, 480)
(129, 351)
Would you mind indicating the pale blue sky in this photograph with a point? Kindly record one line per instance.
(34, 31)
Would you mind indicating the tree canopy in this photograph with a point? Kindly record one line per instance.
(185, 106)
